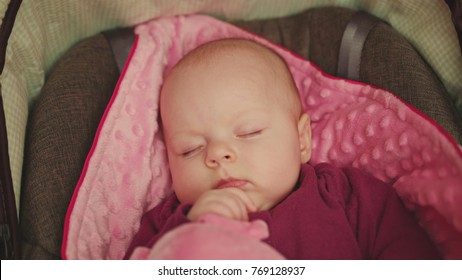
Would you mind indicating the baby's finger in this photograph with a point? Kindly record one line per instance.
(239, 204)
(231, 208)
(248, 202)
(241, 210)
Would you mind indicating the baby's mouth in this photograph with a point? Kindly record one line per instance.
(230, 183)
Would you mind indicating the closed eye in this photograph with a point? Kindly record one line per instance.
(191, 152)
(250, 134)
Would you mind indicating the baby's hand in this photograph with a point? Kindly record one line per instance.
(231, 203)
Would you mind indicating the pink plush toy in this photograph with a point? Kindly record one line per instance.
(212, 238)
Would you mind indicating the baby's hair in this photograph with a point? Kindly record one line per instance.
(234, 47)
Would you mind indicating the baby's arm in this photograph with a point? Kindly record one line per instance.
(231, 203)
(158, 221)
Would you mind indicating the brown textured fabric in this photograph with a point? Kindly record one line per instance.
(60, 133)
(66, 115)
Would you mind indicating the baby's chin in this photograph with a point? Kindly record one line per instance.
(265, 204)
(185, 200)
(262, 205)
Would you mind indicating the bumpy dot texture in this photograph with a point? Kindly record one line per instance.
(353, 124)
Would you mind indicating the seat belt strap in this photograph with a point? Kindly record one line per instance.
(351, 47)
(121, 42)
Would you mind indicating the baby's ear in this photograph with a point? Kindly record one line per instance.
(304, 133)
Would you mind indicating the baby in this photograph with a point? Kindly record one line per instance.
(238, 143)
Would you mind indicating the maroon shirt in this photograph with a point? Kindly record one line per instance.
(332, 213)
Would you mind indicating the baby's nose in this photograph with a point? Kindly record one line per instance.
(218, 154)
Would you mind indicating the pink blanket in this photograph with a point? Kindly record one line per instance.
(126, 172)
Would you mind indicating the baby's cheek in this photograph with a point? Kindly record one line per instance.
(188, 184)
(284, 172)
(185, 192)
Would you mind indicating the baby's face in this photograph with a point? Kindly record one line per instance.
(226, 128)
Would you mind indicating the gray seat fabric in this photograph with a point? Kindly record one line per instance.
(60, 132)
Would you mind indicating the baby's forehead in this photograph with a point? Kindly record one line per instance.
(236, 60)
(229, 51)
(242, 59)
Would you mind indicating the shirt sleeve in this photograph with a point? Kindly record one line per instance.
(158, 221)
(384, 228)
